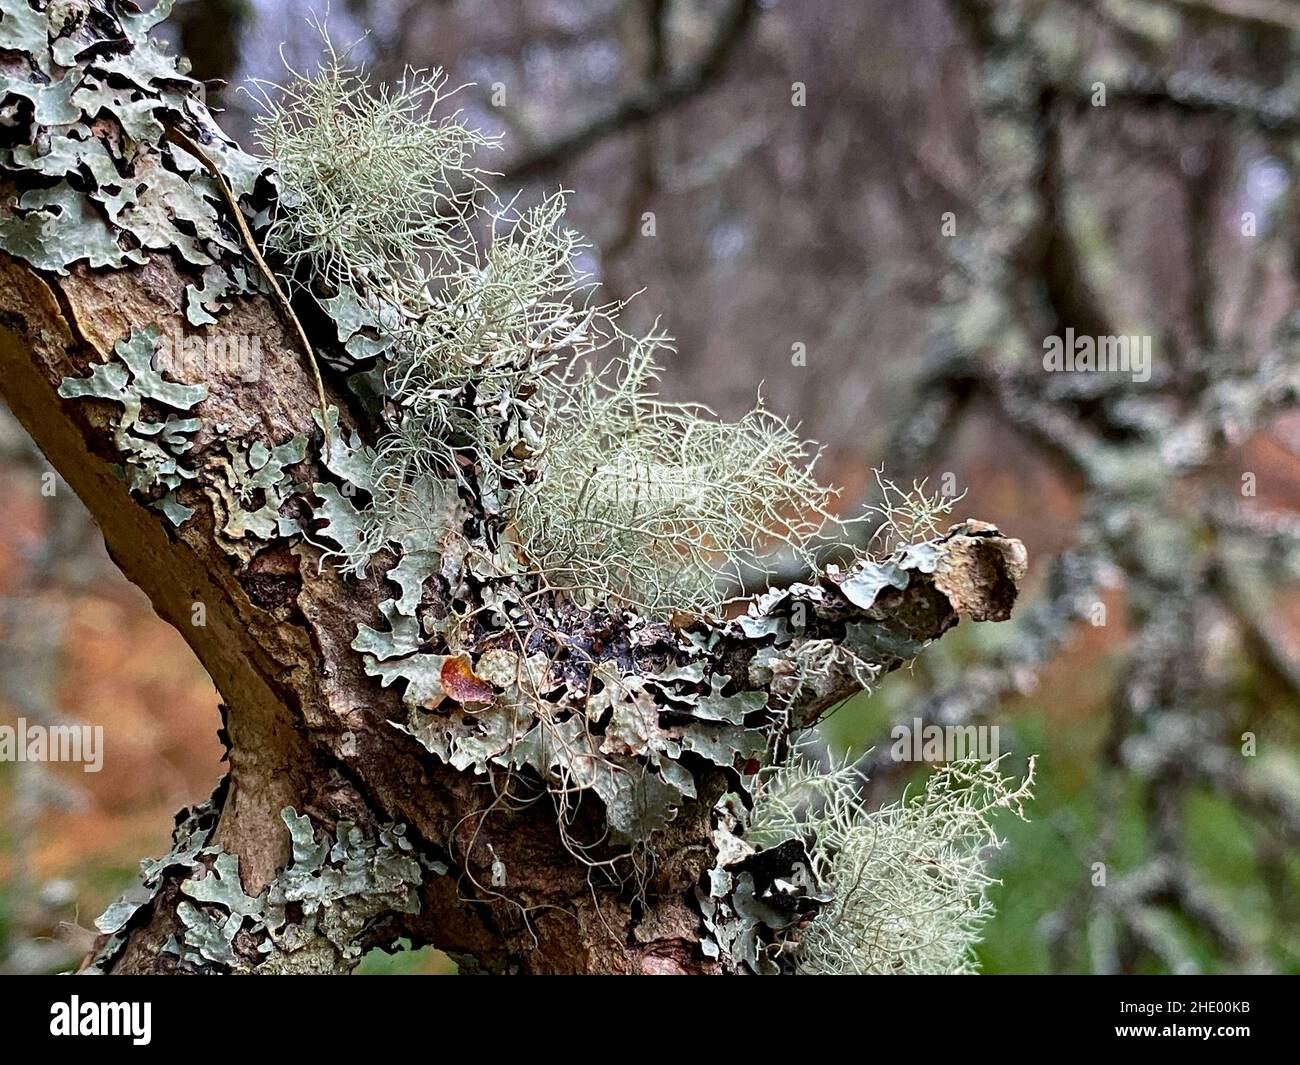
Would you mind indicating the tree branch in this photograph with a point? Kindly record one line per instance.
(656, 97)
(335, 831)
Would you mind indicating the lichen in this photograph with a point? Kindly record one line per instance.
(480, 478)
(909, 880)
(473, 323)
(634, 741)
(152, 450)
(658, 504)
(509, 685)
(190, 846)
(252, 485)
(538, 519)
(91, 107)
(755, 901)
(318, 907)
(338, 887)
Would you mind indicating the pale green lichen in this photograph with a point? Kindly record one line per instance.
(386, 237)
(479, 325)
(334, 888)
(661, 504)
(910, 879)
(371, 178)
(152, 450)
(908, 516)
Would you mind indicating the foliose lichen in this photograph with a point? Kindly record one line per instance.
(317, 908)
(84, 122)
(152, 450)
(252, 485)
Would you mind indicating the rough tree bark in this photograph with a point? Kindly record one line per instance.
(307, 728)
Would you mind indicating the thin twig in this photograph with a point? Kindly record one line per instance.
(282, 301)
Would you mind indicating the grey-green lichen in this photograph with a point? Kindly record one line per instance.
(190, 845)
(470, 326)
(907, 883)
(529, 511)
(312, 916)
(247, 484)
(755, 901)
(513, 682)
(335, 886)
(88, 190)
(152, 450)
(97, 181)
(530, 505)
(253, 484)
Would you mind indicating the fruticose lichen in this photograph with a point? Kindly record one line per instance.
(657, 504)
(471, 326)
(908, 882)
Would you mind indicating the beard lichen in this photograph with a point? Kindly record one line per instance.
(909, 881)
(542, 499)
(471, 327)
(662, 505)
